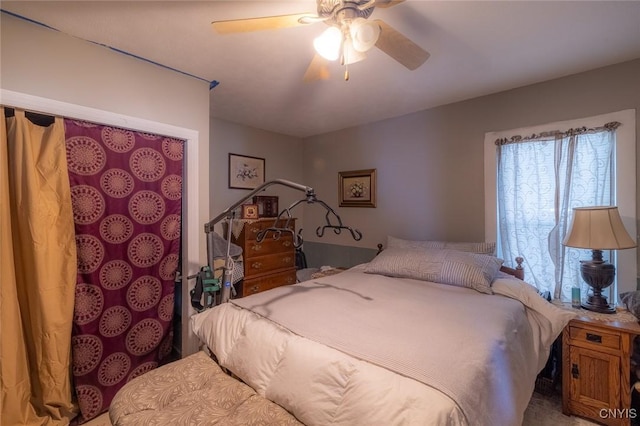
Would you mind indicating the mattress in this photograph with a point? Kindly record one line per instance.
(357, 348)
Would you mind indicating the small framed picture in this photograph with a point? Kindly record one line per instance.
(245, 172)
(249, 211)
(357, 188)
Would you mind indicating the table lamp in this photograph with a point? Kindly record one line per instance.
(597, 228)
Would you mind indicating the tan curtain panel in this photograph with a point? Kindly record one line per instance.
(38, 273)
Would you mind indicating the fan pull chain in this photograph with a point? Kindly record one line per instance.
(345, 61)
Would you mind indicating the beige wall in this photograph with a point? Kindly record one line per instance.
(283, 160)
(430, 163)
(48, 64)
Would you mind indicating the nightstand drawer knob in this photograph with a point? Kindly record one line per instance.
(594, 338)
(574, 371)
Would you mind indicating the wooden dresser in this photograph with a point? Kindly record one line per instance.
(269, 263)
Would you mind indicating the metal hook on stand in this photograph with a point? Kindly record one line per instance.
(297, 238)
(228, 213)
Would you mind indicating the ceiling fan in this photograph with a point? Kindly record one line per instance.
(349, 36)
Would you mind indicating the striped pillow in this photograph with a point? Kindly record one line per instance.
(453, 267)
(481, 248)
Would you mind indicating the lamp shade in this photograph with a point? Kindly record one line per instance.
(351, 55)
(364, 34)
(598, 228)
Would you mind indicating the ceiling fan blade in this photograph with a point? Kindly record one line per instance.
(264, 23)
(318, 70)
(399, 47)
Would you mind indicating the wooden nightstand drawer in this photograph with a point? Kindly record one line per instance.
(594, 337)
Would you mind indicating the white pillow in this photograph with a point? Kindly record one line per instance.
(481, 248)
(453, 267)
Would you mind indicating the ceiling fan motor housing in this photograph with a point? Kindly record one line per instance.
(337, 11)
(356, 34)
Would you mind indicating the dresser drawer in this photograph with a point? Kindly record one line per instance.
(594, 337)
(252, 229)
(253, 248)
(256, 285)
(264, 264)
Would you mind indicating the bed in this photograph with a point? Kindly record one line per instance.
(425, 334)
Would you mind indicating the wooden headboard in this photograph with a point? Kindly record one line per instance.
(517, 272)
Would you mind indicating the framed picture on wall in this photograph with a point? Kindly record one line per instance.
(245, 172)
(357, 188)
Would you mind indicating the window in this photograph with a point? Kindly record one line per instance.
(533, 183)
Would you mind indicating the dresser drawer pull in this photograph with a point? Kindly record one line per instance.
(255, 230)
(256, 247)
(286, 259)
(255, 289)
(256, 265)
(594, 338)
(286, 243)
(289, 280)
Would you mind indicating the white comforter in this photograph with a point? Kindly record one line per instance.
(358, 348)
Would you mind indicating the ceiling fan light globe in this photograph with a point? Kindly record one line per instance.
(328, 43)
(364, 34)
(351, 55)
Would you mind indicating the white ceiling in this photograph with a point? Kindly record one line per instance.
(476, 48)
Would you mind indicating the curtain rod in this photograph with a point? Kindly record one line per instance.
(554, 134)
(212, 83)
(38, 118)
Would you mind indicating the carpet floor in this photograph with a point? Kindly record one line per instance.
(546, 410)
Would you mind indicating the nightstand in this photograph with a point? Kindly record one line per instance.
(596, 368)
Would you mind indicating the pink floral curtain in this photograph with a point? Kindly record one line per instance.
(126, 189)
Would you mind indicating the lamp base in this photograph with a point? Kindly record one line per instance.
(597, 303)
(599, 275)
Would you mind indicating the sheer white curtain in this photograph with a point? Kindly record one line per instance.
(540, 179)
